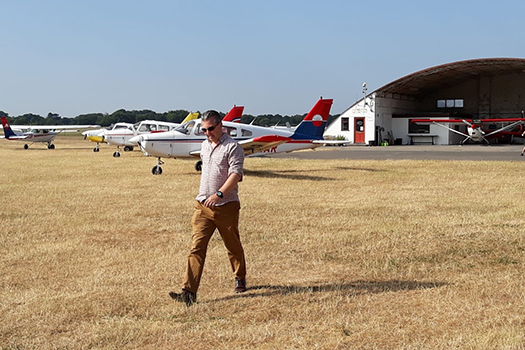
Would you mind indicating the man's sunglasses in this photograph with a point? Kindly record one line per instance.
(210, 129)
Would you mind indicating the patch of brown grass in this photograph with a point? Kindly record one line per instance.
(341, 254)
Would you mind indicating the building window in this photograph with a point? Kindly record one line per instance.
(451, 103)
(345, 125)
(414, 128)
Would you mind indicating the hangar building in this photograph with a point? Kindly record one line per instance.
(472, 89)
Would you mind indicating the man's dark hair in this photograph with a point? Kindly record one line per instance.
(212, 115)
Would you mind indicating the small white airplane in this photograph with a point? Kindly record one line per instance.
(120, 137)
(37, 133)
(186, 141)
(475, 131)
(98, 134)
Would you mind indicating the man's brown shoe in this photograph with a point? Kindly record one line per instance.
(240, 285)
(185, 296)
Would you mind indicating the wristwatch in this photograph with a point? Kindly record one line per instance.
(219, 194)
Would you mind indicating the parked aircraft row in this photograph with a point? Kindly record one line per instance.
(118, 134)
(167, 140)
(172, 140)
(185, 141)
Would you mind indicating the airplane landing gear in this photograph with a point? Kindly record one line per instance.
(198, 165)
(128, 148)
(50, 146)
(96, 149)
(157, 170)
(26, 146)
(117, 153)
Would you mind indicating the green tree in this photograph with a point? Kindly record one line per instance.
(89, 119)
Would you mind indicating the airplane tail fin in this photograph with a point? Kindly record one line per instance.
(313, 125)
(234, 115)
(190, 116)
(8, 132)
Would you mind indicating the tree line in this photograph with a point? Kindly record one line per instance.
(122, 115)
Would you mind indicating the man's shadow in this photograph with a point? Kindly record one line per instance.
(296, 174)
(353, 288)
(285, 174)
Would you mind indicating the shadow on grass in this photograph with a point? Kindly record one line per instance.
(353, 288)
(360, 169)
(286, 174)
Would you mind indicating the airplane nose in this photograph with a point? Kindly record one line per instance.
(135, 140)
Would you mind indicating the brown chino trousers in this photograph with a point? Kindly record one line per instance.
(205, 220)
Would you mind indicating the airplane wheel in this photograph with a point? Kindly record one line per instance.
(116, 154)
(157, 170)
(50, 146)
(198, 165)
(128, 148)
(95, 149)
(26, 146)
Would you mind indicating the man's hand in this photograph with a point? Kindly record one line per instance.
(211, 201)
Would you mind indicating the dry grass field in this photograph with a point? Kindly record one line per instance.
(341, 254)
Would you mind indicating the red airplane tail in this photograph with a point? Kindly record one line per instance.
(8, 132)
(234, 115)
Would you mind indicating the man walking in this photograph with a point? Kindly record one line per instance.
(216, 206)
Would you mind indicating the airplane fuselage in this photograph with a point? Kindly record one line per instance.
(185, 141)
(476, 134)
(121, 136)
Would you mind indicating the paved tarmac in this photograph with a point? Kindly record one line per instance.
(417, 152)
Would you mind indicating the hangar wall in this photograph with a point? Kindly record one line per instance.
(483, 95)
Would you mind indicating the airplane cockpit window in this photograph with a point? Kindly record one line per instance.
(186, 127)
(163, 128)
(245, 132)
(121, 127)
(198, 130)
(147, 127)
(231, 131)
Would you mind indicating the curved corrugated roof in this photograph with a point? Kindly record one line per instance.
(450, 74)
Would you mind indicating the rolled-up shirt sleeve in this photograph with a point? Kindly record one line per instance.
(236, 161)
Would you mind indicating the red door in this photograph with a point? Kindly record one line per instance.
(359, 130)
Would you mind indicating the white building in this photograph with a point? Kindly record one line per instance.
(473, 89)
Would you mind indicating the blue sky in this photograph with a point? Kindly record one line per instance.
(273, 57)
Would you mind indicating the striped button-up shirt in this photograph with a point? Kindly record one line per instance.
(217, 165)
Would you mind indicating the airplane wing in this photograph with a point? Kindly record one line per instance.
(510, 126)
(262, 143)
(52, 127)
(442, 121)
(257, 144)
